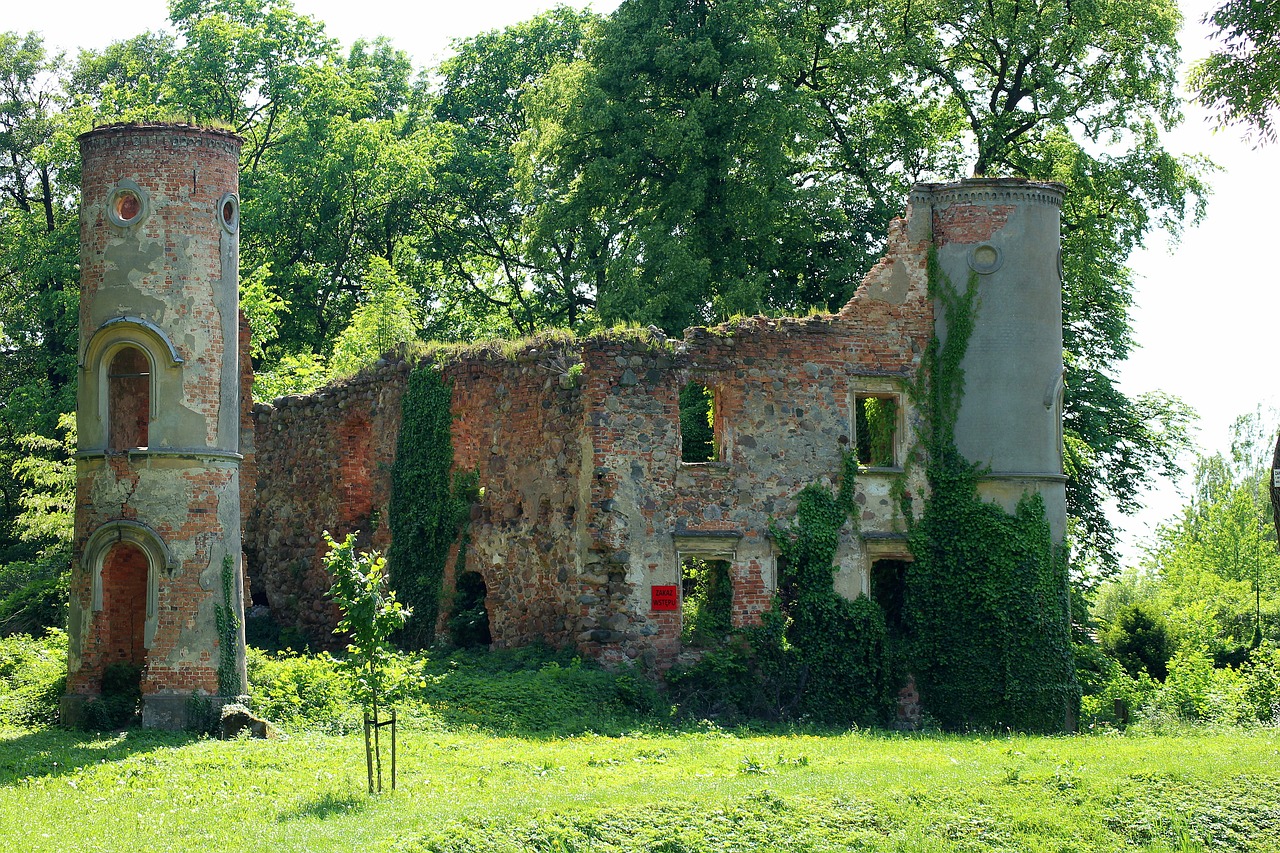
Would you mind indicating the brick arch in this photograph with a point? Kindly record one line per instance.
(104, 559)
(117, 399)
(122, 620)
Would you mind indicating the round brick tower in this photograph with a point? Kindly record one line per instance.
(156, 590)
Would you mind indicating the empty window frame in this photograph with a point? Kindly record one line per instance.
(876, 429)
(706, 593)
(698, 439)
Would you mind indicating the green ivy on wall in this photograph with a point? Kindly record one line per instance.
(986, 598)
(428, 506)
(227, 619)
(816, 655)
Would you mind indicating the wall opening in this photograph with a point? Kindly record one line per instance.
(128, 399)
(124, 605)
(469, 617)
(698, 439)
(706, 592)
(876, 430)
(888, 589)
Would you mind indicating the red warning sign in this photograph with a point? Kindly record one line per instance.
(665, 597)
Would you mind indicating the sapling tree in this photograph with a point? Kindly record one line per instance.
(370, 615)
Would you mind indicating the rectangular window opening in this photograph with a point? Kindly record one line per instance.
(698, 439)
(876, 430)
(889, 589)
(706, 591)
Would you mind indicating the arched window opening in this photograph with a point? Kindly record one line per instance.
(124, 605)
(128, 399)
(697, 424)
(469, 618)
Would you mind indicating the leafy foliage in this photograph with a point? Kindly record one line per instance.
(697, 421)
(370, 615)
(707, 603)
(33, 677)
(1139, 640)
(1241, 80)
(228, 617)
(388, 318)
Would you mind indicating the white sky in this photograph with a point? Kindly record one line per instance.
(1207, 307)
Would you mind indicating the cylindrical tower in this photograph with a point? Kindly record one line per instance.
(156, 591)
(1005, 232)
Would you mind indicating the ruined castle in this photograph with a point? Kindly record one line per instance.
(589, 514)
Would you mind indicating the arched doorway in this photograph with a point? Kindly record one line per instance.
(469, 618)
(124, 605)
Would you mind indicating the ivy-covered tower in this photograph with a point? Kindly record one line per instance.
(156, 590)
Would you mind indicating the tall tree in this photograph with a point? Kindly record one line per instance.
(492, 277)
(39, 284)
(1078, 92)
(1241, 80)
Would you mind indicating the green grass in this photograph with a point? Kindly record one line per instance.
(701, 790)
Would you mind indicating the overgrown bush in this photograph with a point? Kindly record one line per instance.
(33, 676)
(35, 607)
(1194, 691)
(298, 691)
(120, 702)
(1140, 641)
(530, 691)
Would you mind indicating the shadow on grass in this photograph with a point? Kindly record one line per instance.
(326, 805)
(52, 752)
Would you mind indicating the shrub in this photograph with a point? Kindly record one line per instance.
(120, 702)
(531, 691)
(33, 675)
(297, 690)
(35, 607)
(1261, 674)
(1140, 641)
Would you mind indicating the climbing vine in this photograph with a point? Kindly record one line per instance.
(428, 506)
(227, 618)
(986, 598)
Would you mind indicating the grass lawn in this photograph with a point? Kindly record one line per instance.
(689, 791)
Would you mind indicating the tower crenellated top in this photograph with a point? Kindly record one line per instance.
(109, 135)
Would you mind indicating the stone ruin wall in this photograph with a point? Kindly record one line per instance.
(586, 503)
(518, 422)
(323, 462)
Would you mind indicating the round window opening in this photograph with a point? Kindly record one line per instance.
(985, 259)
(229, 212)
(126, 205)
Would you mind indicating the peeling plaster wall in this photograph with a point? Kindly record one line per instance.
(166, 283)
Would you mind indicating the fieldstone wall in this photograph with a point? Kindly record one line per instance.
(586, 504)
(323, 462)
(519, 424)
